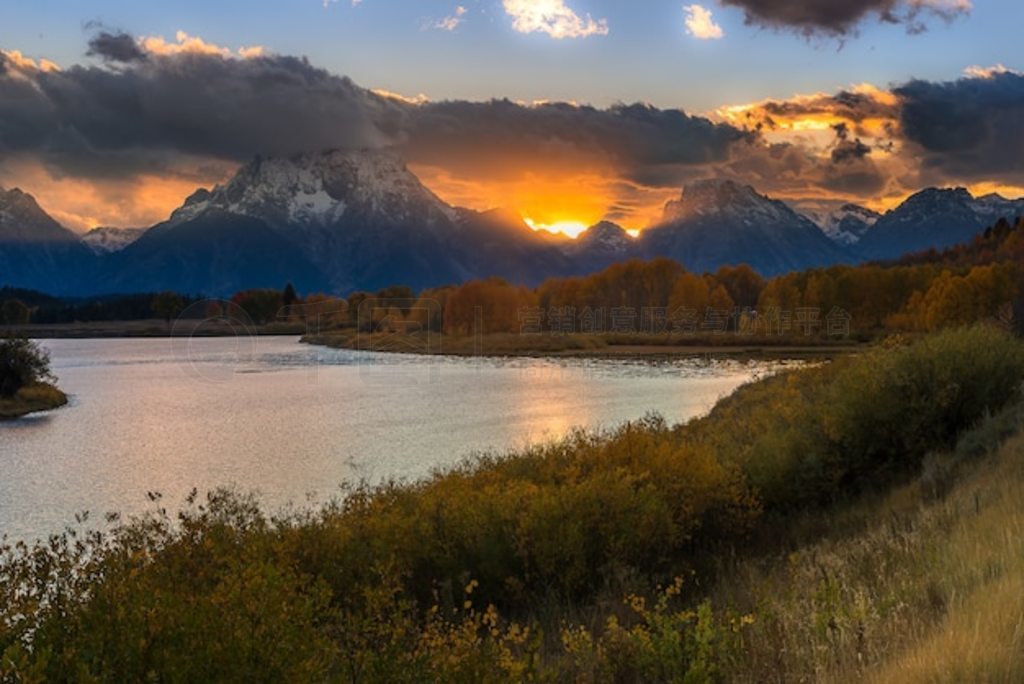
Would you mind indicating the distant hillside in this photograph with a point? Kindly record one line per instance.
(38, 253)
(214, 253)
(715, 223)
(935, 218)
(1001, 242)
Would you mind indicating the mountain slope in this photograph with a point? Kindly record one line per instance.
(36, 252)
(360, 216)
(499, 243)
(215, 254)
(600, 246)
(847, 224)
(937, 218)
(715, 223)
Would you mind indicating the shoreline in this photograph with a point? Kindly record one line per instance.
(495, 345)
(32, 399)
(146, 329)
(550, 346)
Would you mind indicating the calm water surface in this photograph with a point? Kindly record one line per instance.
(292, 422)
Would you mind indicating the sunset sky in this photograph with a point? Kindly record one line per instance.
(566, 110)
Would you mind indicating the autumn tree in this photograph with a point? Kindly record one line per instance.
(262, 306)
(743, 284)
(780, 293)
(428, 312)
(719, 299)
(493, 303)
(690, 292)
(324, 311)
(960, 300)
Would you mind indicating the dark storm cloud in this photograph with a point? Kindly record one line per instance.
(642, 141)
(115, 47)
(94, 120)
(140, 111)
(971, 128)
(841, 17)
(847, 150)
(856, 176)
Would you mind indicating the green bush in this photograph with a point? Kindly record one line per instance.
(563, 519)
(889, 409)
(22, 363)
(825, 433)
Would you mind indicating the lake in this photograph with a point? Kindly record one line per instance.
(292, 422)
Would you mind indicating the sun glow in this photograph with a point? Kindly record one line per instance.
(571, 228)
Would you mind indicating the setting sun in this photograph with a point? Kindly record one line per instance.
(571, 228)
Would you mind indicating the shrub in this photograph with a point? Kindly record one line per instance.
(22, 363)
(889, 409)
(825, 433)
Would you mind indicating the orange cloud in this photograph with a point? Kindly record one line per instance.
(1006, 190)
(20, 61)
(809, 120)
(553, 198)
(82, 204)
(186, 44)
(398, 97)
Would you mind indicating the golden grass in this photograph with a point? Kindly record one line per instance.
(912, 587)
(981, 636)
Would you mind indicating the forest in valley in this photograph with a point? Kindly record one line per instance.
(657, 300)
(981, 280)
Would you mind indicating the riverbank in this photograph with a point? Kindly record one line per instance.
(148, 328)
(544, 345)
(32, 399)
(852, 521)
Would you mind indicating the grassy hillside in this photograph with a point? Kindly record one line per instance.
(840, 522)
(921, 583)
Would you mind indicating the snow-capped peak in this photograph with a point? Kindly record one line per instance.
(994, 206)
(320, 188)
(847, 224)
(606, 236)
(105, 240)
(717, 197)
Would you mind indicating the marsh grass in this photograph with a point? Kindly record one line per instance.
(39, 396)
(513, 344)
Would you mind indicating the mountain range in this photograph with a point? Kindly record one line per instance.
(340, 221)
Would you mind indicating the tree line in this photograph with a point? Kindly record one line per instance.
(979, 280)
